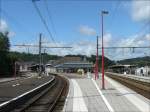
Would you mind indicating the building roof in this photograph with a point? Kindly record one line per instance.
(26, 62)
(75, 65)
(67, 59)
(121, 66)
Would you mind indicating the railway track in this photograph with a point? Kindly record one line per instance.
(44, 99)
(139, 86)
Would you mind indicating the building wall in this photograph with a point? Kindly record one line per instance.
(50, 69)
(143, 71)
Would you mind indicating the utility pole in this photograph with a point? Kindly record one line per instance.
(96, 66)
(0, 12)
(15, 70)
(28, 50)
(103, 81)
(43, 56)
(97, 56)
(40, 58)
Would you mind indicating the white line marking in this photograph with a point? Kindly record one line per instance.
(13, 85)
(140, 104)
(4, 103)
(103, 97)
(78, 101)
(66, 101)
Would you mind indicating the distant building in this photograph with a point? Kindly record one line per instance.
(24, 66)
(73, 64)
(143, 71)
(49, 68)
(130, 69)
(122, 69)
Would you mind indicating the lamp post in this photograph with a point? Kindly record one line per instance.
(103, 82)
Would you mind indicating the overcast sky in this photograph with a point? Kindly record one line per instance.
(77, 23)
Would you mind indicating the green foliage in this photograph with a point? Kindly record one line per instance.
(107, 62)
(5, 62)
(141, 61)
(32, 57)
(4, 42)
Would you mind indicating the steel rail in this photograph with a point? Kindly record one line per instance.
(20, 100)
(49, 101)
(140, 86)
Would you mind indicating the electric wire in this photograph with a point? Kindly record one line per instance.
(0, 12)
(43, 21)
(49, 16)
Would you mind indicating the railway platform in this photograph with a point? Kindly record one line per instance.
(6, 79)
(14, 88)
(85, 94)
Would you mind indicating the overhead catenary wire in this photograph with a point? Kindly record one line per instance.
(128, 47)
(146, 25)
(0, 12)
(49, 16)
(83, 0)
(117, 6)
(29, 45)
(43, 21)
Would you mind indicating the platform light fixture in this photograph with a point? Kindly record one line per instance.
(103, 80)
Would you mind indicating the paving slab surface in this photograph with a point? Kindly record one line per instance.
(85, 94)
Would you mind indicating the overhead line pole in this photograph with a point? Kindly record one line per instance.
(103, 87)
(0, 12)
(40, 58)
(96, 66)
(103, 81)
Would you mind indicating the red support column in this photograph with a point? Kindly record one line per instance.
(103, 83)
(96, 63)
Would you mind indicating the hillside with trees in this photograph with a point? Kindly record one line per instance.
(140, 61)
(8, 58)
(6, 61)
(26, 57)
(46, 57)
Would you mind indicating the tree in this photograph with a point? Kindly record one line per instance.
(5, 67)
(4, 42)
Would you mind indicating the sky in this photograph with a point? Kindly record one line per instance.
(77, 24)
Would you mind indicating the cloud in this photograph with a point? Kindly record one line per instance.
(107, 40)
(86, 30)
(5, 28)
(132, 41)
(86, 47)
(147, 37)
(82, 47)
(141, 10)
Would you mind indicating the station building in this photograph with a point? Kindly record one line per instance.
(122, 69)
(71, 64)
(130, 69)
